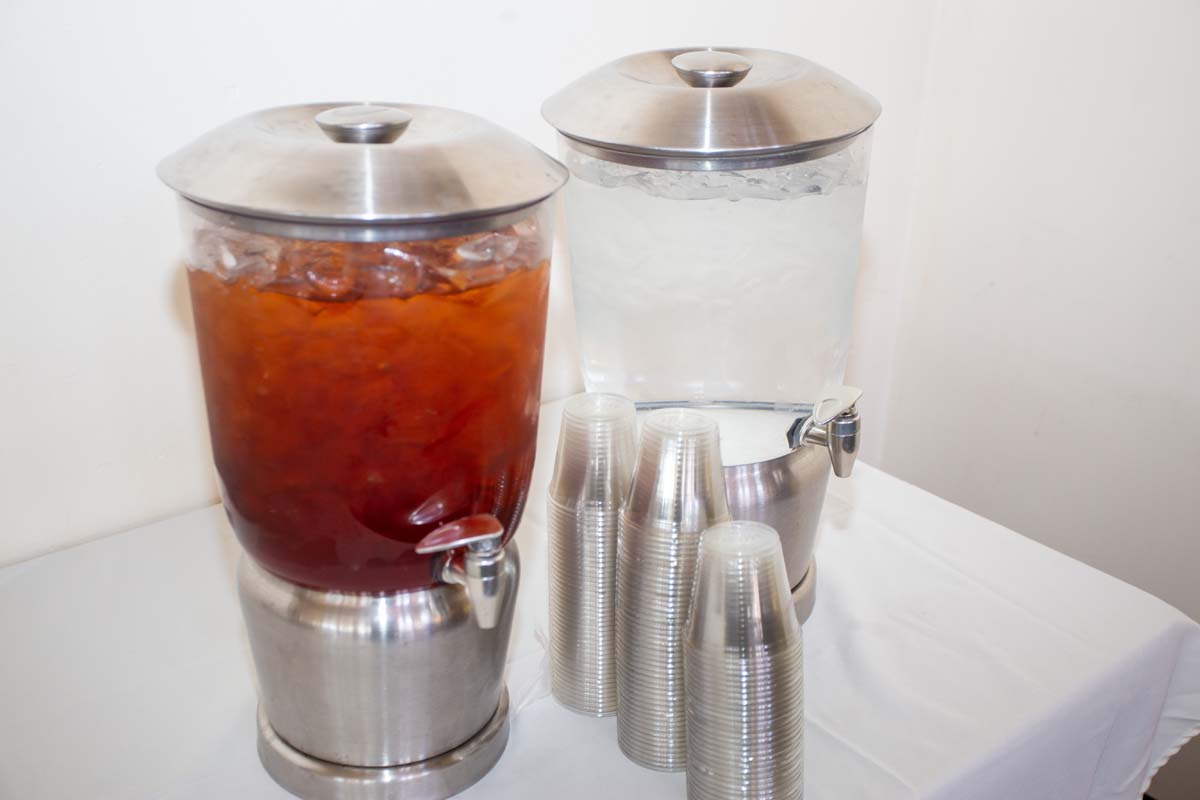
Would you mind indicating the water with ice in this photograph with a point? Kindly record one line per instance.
(702, 286)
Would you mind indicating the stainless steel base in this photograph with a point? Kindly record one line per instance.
(374, 680)
(786, 493)
(804, 594)
(435, 778)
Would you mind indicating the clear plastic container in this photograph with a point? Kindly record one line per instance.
(360, 394)
(712, 286)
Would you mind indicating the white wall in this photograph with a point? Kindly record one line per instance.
(1044, 367)
(1025, 330)
(1044, 331)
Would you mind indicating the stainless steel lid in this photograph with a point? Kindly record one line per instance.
(382, 164)
(702, 108)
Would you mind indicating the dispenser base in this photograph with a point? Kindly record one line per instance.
(435, 778)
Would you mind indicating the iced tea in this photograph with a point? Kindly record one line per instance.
(361, 394)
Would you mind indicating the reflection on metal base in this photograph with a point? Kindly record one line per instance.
(804, 595)
(786, 493)
(433, 779)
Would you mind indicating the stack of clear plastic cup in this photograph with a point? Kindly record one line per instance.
(592, 472)
(677, 492)
(744, 659)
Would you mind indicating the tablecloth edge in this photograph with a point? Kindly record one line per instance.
(1191, 643)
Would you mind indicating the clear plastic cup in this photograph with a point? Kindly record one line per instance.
(677, 492)
(592, 471)
(744, 663)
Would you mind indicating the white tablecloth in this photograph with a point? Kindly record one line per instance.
(948, 657)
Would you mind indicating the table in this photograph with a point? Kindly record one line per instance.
(948, 657)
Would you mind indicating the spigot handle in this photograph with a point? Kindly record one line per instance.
(480, 533)
(483, 571)
(834, 423)
(844, 399)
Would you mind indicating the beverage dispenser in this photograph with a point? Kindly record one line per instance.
(713, 220)
(369, 287)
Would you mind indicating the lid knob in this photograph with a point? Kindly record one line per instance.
(363, 124)
(711, 68)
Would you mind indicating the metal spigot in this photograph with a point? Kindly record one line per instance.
(834, 424)
(482, 570)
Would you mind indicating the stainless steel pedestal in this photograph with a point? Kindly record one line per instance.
(433, 779)
(375, 697)
(786, 493)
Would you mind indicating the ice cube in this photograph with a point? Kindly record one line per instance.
(226, 261)
(526, 228)
(469, 277)
(205, 250)
(331, 279)
(234, 255)
(530, 254)
(257, 270)
(316, 270)
(389, 280)
(396, 254)
(489, 247)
